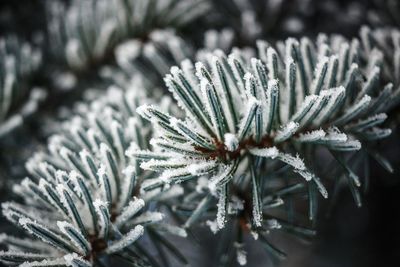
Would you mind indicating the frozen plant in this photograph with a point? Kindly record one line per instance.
(383, 44)
(152, 59)
(242, 143)
(242, 113)
(19, 61)
(81, 203)
(85, 33)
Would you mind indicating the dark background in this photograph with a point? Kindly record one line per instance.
(350, 236)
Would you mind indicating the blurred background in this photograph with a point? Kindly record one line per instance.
(348, 236)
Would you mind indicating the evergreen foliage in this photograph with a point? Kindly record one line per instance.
(86, 190)
(188, 115)
(84, 33)
(18, 63)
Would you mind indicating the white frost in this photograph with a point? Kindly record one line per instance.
(269, 152)
(129, 211)
(126, 240)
